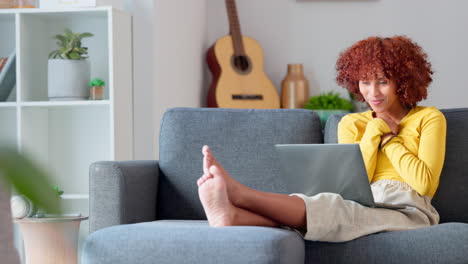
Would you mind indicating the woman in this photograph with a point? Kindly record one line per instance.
(403, 147)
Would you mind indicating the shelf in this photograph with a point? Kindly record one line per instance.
(66, 137)
(7, 104)
(66, 141)
(75, 196)
(55, 10)
(64, 103)
(37, 29)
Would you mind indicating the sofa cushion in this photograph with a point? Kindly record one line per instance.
(445, 243)
(450, 199)
(242, 140)
(192, 242)
(331, 129)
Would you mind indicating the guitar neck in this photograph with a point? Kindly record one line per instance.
(234, 28)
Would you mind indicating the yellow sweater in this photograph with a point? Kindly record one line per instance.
(415, 156)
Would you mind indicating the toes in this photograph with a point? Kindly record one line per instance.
(205, 149)
(207, 159)
(215, 170)
(206, 165)
(200, 181)
(203, 179)
(207, 176)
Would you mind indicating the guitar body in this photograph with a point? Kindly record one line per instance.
(239, 84)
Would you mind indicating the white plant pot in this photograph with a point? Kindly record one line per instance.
(68, 79)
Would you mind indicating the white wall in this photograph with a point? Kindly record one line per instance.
(180, 44)
(143, 75)
(169, 39)
(314, 32)
(172, 36)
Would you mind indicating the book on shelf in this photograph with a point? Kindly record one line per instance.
(7, 76)
(2, 63)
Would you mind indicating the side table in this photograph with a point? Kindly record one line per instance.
(50, 240)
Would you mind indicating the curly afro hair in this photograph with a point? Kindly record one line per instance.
(397, 58)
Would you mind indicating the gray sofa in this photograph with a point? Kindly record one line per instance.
(149, 211)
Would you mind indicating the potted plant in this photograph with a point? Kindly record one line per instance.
(96, 90)
(26, 178)
(68, 68)
(327, 104)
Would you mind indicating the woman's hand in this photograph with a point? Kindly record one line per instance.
(392, 123)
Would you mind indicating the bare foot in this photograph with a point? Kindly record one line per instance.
(203, 178)
(211, 165)
(214, 197)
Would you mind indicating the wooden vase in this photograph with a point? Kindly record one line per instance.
(294, 88)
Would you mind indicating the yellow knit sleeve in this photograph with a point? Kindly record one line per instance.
(421, 171)
(348, 132)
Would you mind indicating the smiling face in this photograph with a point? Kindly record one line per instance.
(380, 94)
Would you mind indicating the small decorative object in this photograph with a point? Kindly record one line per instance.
(21, 207)
(294, 88)
(69, 69)
(25, 4)
(96, 92)
(327, 104)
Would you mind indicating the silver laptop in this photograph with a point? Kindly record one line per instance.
(336, 168)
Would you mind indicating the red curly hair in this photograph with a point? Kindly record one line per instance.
(397, 58)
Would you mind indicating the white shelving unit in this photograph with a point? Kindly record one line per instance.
(65, 137)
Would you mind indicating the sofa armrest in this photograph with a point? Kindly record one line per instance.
(122, 192)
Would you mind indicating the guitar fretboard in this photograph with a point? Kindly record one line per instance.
(234, 27)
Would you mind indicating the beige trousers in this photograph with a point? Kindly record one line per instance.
(333, 219)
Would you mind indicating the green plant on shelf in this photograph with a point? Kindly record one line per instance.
(70, 47)
(330, 100)
(96, 82)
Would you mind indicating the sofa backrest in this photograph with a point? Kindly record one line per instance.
(450, 199)
(242, 141)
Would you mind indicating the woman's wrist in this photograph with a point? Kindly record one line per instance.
(385, 138)
(386, 135)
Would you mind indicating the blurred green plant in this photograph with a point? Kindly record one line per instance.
(28, 179)
(97, 82)
(330, 100)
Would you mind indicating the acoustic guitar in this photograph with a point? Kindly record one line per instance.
(236, 63)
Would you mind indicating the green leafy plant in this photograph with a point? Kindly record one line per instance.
(27, 178)
(330, 100)
(97, 82)
(70, 47)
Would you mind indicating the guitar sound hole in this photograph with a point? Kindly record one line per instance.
(242, 64)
